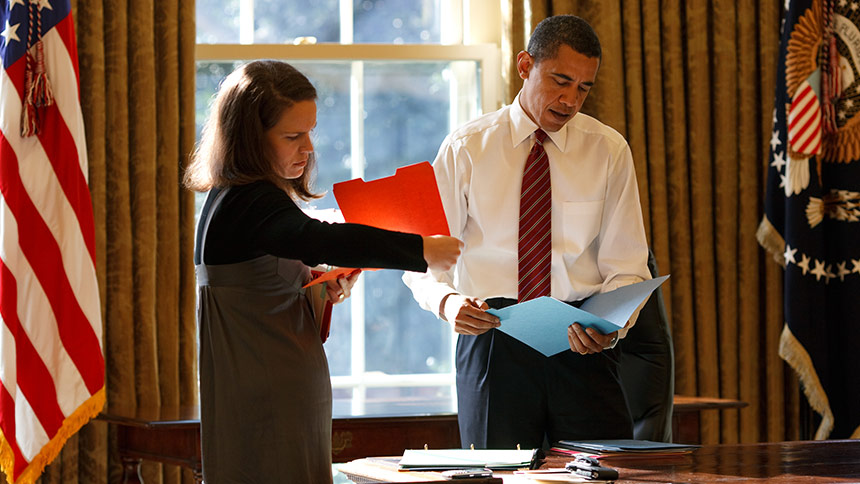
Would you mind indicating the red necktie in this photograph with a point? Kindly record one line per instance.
(535, 242)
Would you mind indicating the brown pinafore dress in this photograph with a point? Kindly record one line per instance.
(265, 392)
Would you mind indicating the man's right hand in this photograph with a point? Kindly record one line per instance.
(441, 252)
(468, 314)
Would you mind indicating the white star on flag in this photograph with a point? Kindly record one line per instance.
(778, 160)
(774, 140)
(10, 32)
(789, 254)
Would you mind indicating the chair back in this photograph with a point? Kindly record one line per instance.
(647, 369)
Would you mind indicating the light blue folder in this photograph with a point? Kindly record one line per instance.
(542, 323)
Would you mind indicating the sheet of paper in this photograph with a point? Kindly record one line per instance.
(542, 323)
(463, 458)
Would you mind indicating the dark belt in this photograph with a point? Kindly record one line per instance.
(503, 302)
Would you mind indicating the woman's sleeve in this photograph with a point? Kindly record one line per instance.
(284, 230)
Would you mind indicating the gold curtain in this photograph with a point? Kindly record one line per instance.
(690, 85)
(136, 62)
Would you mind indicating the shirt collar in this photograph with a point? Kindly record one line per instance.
(522, 127)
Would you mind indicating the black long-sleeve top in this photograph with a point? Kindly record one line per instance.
(260, 218)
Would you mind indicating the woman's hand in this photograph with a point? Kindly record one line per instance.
(441, 252)
(338, 290)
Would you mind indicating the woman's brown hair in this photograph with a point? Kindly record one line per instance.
(249, 102)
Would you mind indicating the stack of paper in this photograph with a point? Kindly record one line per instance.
(626, 446)
(442, 459)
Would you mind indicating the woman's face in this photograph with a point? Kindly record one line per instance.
(289, 140)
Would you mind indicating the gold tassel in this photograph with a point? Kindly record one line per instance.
(87, 411)
(37, 87)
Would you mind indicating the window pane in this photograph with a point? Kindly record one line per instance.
(393, 401)
(217, 21)
(396, 21)
(402, 338)
(408, 108)
(279, 21)
(282, 21)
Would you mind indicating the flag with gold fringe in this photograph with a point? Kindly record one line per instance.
(51, 359)
(812, 209)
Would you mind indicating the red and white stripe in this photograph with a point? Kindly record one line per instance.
(51, 355)
(804, 121)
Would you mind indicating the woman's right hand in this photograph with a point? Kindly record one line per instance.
(441, 252)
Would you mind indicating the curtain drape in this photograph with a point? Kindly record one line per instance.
(691, 85)
(136, 60)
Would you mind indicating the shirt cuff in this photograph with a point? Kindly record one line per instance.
(613, 342)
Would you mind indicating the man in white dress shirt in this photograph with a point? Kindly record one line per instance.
(508, 393)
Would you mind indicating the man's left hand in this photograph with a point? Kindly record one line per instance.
(586, 340)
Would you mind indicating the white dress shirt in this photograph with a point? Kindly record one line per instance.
(598, 237)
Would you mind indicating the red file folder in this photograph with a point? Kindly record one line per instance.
(407, 201)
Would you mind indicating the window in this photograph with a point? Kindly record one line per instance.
(392, 79)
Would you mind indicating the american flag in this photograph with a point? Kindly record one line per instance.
(812, 209)
(51, 360)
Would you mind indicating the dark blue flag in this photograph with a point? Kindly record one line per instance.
(812, 210)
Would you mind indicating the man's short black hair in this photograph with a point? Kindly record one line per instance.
(570, 30)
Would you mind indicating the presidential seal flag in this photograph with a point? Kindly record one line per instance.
(51, 360)
(812, 209)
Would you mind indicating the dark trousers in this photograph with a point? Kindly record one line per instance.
(509, 393)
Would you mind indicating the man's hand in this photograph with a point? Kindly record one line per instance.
(586, 340)
(468, 314)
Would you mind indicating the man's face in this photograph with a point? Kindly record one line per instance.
(555, 88)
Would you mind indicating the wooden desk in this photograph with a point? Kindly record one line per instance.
(172, 435)
(778, 462)
(166, 435)
(771, 463)
(687, 414)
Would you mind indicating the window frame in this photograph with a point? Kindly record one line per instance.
(486, 55)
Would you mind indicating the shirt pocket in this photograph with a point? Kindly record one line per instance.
(581, 224)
